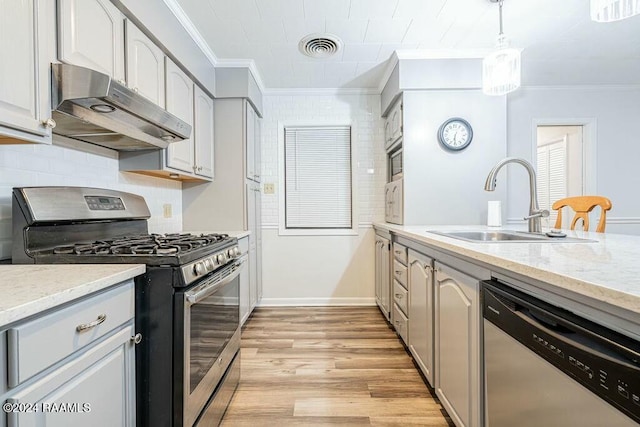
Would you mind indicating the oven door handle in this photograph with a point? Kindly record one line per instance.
(198, 295)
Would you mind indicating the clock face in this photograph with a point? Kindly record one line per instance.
(455, 134)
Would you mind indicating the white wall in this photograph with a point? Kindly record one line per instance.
(36, 165)
(323, 269)
(614, 111)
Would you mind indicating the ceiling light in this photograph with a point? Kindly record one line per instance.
(501, 68)
(613, 10)
(320, 45)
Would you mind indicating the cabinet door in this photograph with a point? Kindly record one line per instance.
(250, 141)
(145, 65)
(457, 332)
(385, 276)
(397, 205)
(257, 147)
(24, 69)
(387, 133)
(99, 382)
(258, 228)
(203, 133)
(396, 122)
(421, 312)
(244, 292)
(91, 34)
(179, 101)
(388, 202)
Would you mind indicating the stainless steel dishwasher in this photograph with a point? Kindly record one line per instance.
(547, 367)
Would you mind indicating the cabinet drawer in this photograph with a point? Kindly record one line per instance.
(401, 297)
(400, 272)
(401, 323)
(400, 253)
(37, 344)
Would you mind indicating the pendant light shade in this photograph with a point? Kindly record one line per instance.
(501, 68)
(613, 10)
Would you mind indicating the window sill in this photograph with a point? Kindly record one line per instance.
(318, 232)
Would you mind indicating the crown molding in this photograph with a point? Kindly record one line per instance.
(190, 28)
(319, 91)
(581, 87)
(244, 63)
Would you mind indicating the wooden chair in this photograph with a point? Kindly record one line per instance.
(582, 205)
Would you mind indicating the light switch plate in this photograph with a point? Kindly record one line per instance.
(167, 210)
(269, 188)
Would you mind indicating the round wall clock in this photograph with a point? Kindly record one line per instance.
(455, 134)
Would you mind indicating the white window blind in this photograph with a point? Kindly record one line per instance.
(552, 175)
(317, 177)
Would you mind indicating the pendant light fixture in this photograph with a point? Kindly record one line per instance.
(501, 68)
(613, 10)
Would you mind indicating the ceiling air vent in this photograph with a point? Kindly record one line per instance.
(320, 45)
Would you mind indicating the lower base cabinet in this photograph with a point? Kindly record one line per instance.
(383, 276)
(66, 368)
(94, 390)
(421, 312)
(457, 344)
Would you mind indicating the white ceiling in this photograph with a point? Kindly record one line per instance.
(562, 46)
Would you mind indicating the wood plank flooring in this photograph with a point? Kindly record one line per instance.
(318, 366)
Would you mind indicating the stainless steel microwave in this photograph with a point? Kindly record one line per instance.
(395, 164)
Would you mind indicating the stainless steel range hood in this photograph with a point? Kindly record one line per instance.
(92, 107)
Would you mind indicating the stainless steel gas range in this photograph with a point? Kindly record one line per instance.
(187, 303)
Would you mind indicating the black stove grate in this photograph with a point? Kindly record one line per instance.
(147, 244)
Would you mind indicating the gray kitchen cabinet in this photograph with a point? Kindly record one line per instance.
(421, 312)
(394, 203)
(203, 134)
(179, 101)
(393, 125)
(145, 65)
(232, 201)
(382, 274)
(457, 344)
(25, 106)
(76, 377)
(191, 159)
(91, 34)
(254, 201)
(245, 282)
(253, 146)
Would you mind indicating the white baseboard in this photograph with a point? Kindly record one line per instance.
(330, 301)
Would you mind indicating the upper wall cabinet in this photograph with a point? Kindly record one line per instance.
(179, 101)
(91, 34)
(24, 84)
(393, 125)
(145, 65)
(203, 133)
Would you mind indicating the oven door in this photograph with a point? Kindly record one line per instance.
(211, 336)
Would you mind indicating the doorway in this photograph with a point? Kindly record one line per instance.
(560, 154)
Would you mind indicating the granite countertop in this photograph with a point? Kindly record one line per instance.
(606, 270)
(26, 290)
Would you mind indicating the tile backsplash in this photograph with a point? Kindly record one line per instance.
(49, 165)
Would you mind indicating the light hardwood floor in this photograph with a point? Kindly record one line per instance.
(339, 366)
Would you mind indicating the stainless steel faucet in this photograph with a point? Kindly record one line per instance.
(535, 213)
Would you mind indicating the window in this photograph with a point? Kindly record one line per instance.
(317, 178)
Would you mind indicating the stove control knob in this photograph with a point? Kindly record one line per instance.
(230, 253)
(198, 269)
(236, 251)
(221, 259)
(208, 264)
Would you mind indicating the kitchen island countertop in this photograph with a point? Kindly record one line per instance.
(26, 290)
(607, 270)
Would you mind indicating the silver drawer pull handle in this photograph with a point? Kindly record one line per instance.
(399, 252)
(399, 296)
(398, 271)
(87, 326)
(136, 339)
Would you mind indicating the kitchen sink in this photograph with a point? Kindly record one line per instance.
(505, 236)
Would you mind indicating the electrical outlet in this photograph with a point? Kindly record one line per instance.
(167, 211)
(269, 188)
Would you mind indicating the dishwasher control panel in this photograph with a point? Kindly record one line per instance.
(588, 353)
